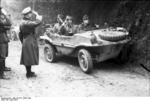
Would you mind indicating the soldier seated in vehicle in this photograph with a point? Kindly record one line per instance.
(57, 26)
(68, 28)
(86, 25)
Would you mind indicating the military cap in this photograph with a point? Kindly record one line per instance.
(85, 17)
(26, 10)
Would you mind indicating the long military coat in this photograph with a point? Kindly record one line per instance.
(30, 50)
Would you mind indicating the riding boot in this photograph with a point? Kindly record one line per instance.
(29, 73)
(1, 70)
(1, 74)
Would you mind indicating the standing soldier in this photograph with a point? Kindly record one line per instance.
(30, 50)
(5, 25)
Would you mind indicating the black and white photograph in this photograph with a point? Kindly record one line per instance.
(74, 48)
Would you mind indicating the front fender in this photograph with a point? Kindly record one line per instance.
(45, 38)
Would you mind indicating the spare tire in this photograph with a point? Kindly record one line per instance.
(113, 36)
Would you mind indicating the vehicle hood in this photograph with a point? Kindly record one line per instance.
(108, 31)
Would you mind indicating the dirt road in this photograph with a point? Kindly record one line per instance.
(65, 78)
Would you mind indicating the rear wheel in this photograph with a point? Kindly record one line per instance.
(50, 53)
(85, 61)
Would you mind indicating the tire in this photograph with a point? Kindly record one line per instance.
(113, 37)
(49, 53)
(85, 61)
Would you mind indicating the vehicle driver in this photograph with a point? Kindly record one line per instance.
(86, 25)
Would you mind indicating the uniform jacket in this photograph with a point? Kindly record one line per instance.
(68, 29)
(88, 27)
(5, 25)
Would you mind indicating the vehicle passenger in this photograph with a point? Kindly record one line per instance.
(68, 28)
(60, 21)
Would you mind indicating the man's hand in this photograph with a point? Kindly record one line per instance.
(36, 13)
(97, 26)
(39, 17)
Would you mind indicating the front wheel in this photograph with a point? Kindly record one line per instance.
(49, 53)
(85, 61)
